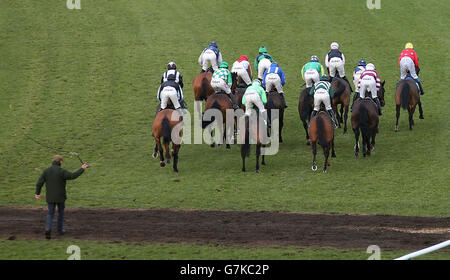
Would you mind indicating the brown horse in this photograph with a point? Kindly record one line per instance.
(202, 85)
(274, 101)
(252, 134)
(305, 107)
(321, 129)
(163, 124)
(220, 101)
(341, 96)
(407, 96)
(365, 121)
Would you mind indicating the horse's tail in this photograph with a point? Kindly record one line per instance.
(340, 89)
(321, 132)
(215, 105)
(306, 110)
(245, 148)
(405, 95)
(364, 119)
(166, 130)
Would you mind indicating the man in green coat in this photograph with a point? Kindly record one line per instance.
(55, 178)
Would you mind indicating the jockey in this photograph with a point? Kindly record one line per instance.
(335, 61)
(274, 77)
(370, 80)
(210, 55)
(322, 92)
(255, 96)
(242, 68)
(262, 62)
(357, 73)
(222, 80)
(171, 88)
(409, 62)
(312, 71)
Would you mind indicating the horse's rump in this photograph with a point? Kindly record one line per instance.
(340, 87)
(321, 132)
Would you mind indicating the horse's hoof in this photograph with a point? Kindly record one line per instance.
(329, 164)
(212, 145)
(356, 154)
(314, 168)
(257, 170)
(308, 142)
(243, 169)
(263, 163)
(228, 146)
(324, 171)
(421, 117)
(168, 161)
(333, 155)
(396, 129)
(155, 155)
(162, 163)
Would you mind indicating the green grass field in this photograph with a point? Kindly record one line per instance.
(86, 81)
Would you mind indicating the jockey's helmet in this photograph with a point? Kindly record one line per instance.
(262, 49)
(224, 64)
(314, 58)
(171, 65)
(370, 66)
(409, 46)
(334, 46)
(362, 62)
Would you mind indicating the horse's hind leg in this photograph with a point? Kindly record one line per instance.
(314, 148)
(342, 114)
(167, 148)
(155, 153)
(326, 152)
(305, 126)
(258, 153)
(420, 110)
(397, 115)
(176, 149)
(356, 131)
(345, 119)
(411, 121)
(161, 152)
(333, 154)
(263, 162)
(281, 119)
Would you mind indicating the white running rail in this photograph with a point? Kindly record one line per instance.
(425, 251)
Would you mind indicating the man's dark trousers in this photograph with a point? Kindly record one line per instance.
(51, 213)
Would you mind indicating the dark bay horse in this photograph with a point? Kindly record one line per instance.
(365, 121)
(221, 102)
(252, 134)
(305, 107)
(341, 96)
(274, 101)
(321, 129)
(407, 96)
(163, 124)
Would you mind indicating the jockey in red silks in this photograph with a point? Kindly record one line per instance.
(409, 62)
(242, 68)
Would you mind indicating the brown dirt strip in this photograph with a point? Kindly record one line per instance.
(233, 227)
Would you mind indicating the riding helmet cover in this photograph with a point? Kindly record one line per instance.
(314, 58)
(224, 64)
(171, 65)
(370, 66)
(334, 46)
(362, 62)
(409, 46)
(262, 49)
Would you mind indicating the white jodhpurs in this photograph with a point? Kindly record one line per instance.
(263, 65)
(218, 84)
(169, 93)
(336, 63)
(407, 64)
(321, 96)
(311, 76)
(273, 81)
(239, 69)
(209, 58)
(252, 98)
(367, 84)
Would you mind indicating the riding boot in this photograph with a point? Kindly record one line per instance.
(355, 96)
(345, 78)
(333, 117)
(377, 101)
(235, 106)
(420, 88)
(202, 71)
(284, 100)
(313, 113)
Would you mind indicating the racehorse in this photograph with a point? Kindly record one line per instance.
(305, 107)
(365, 121)
(220, 101)
(321, 129)
(274, 101)
(341, 96)
(202, 85)
(163, 124)
(252, 133)
(407, 96)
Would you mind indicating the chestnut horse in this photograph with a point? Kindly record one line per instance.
(163, 124)
(202, 85)
(341, 96)
(321, 129)
(305, 107)
(407, 96)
